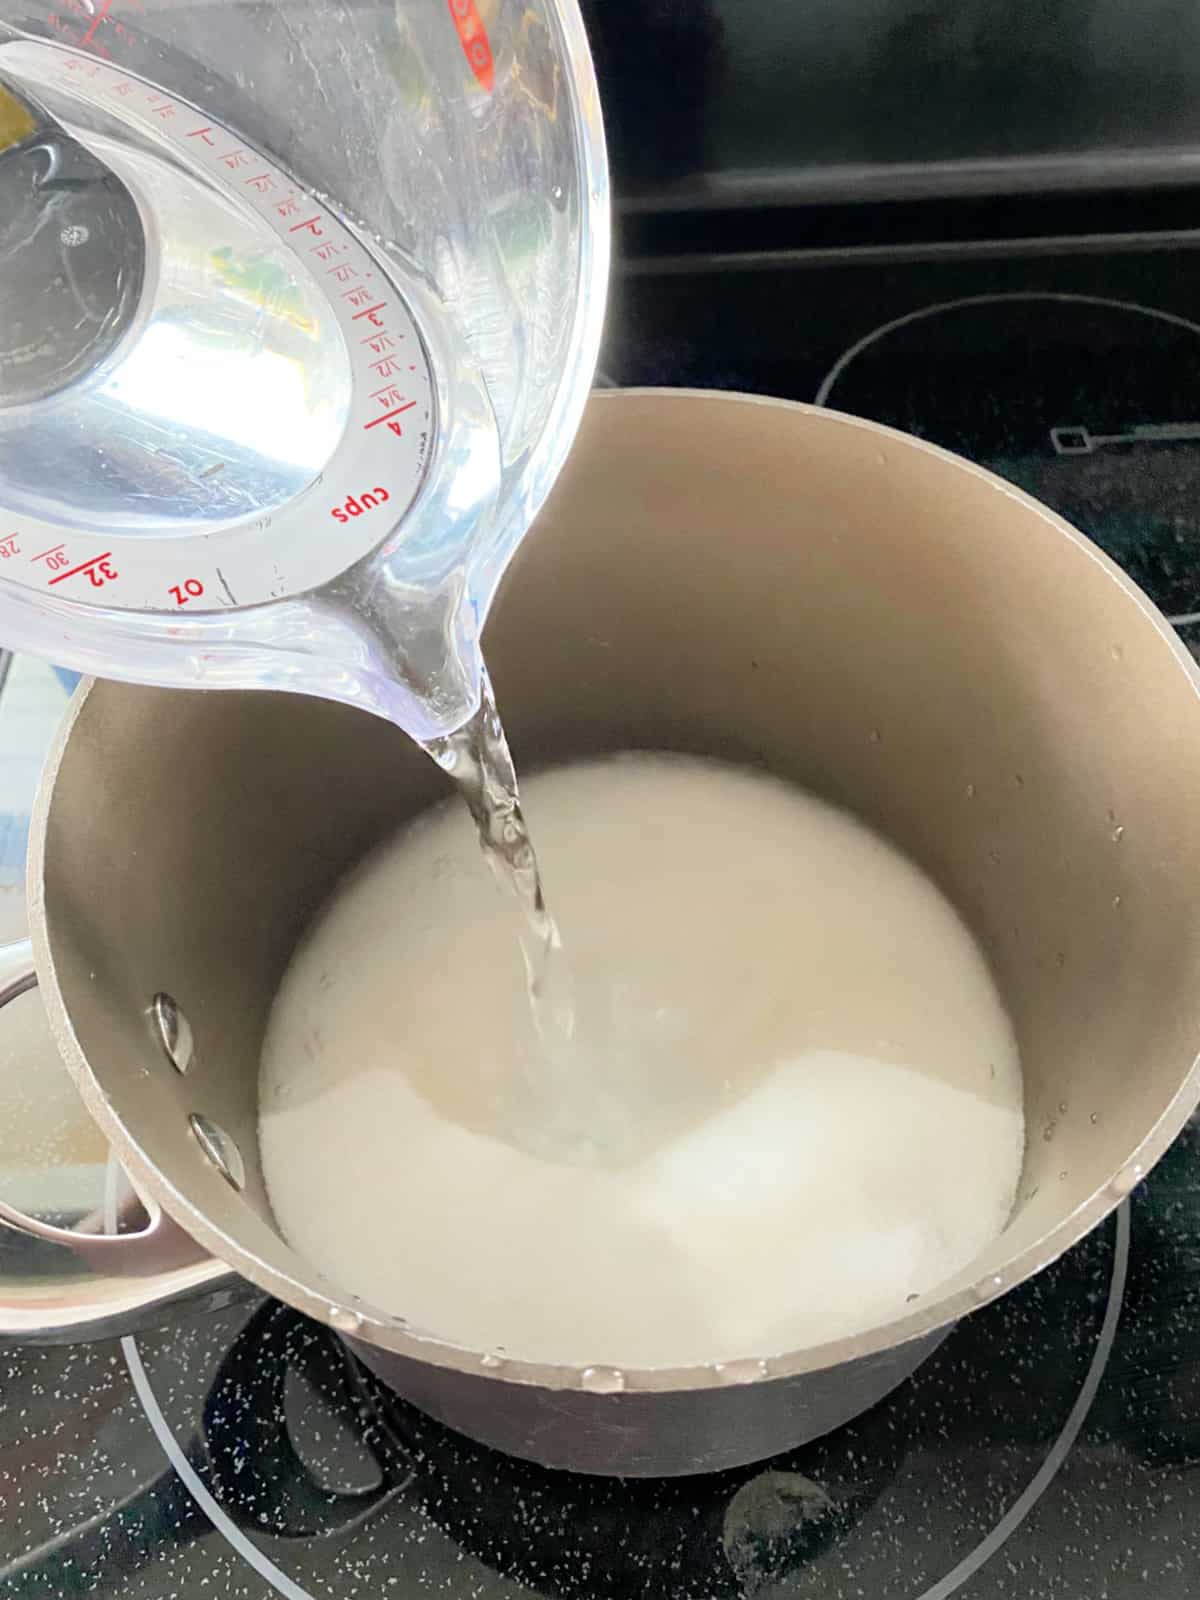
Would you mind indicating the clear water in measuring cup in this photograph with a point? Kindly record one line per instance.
(216, 394)
(242, 443)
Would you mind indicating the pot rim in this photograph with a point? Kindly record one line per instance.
(353, 1317)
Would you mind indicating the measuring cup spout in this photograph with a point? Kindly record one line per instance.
(418, 648)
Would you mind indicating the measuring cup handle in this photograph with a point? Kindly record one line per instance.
(131, 1278)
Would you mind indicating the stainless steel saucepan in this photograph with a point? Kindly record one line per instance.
(870, 617)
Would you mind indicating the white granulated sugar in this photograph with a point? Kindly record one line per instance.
(807, 1087)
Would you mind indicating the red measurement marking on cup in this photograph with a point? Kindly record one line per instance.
(357, 505)
(98, 570)
(189, 589)
(98, 16)
(388, 417)
(55, 558)
(9, 547)
(476, 45)
(390, 395)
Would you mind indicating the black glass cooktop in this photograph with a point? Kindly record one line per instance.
(1076, 375)
(1047, 1449)
(1051, 1448)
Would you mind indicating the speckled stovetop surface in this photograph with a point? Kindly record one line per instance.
(1052, 1446)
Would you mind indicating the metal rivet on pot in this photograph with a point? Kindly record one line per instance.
(219, 1148)
(602, 1380)
(741, 1371)
(174, 1031)
(491, 1361)
(345, 1320)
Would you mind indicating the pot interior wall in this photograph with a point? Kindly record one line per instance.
(888, 628)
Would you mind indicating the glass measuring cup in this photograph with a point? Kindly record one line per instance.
(299, 305)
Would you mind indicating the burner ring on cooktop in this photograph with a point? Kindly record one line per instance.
(768, 1517)
(1089, 403)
